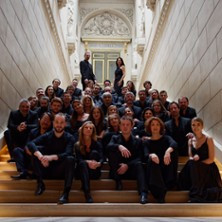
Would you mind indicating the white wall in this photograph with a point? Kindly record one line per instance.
(30, 56)
(188, 58)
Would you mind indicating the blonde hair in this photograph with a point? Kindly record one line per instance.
(82, 139)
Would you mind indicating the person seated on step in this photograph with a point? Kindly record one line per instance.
(23, 155)
(89, 157)
(57, 90)
(125, 154)
(185, 110)
(200, 175)
(53, 158)
(20, 123)
(178, 128)
(162, 160)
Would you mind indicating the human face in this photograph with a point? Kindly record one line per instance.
(107, 84)
(114, 121)
(148, 114)
(96, 114)
(77, 106)
(163, 97)
(59, 124)
(96, 90)
(183, 103)
(40, 93)
(24, 108)
(56, 107)
(88, 91)
(129, 98)
(87, 56)
(155, 127)
(88, 130)
(128, 112)
(87, 102)
(174, 110)
(147, 86)
(197, 127)
(70, 90)
(50, 91)
(156, 107)
(126, 127)
(119, 62)
(112, 110)
(45, 122)
(74, 83)
(56, 83)
(142, 96)
(44, 103)
(67, 98)
(154, 95)
(107, 100)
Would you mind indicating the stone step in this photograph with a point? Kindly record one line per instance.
(102, 184)
(77, 196)
(111, 210)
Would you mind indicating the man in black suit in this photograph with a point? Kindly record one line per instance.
(178, 128)
(57, 90)
(86, 70)
(185, 110)
(77, 91)
(20, 123)
(52, 157)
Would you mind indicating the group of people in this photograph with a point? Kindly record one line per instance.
(67, 134)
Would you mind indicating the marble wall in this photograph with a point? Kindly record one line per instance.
(187, 60)
(32, 52)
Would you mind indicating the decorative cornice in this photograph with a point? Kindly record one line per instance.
(52, 23)
(61, 3)
(164, 13)
(151, 4)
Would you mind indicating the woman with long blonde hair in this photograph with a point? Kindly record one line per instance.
(89, 157)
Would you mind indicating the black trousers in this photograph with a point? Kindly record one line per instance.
(61, 169)
(135, 170)
(22, 160)
(85, 173)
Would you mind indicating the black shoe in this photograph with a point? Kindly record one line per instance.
(119, 185)
(160, 200)
(40, 189)
(63, 199)
(11, 160)
(88, 197)
(20, 176)
(143, 198)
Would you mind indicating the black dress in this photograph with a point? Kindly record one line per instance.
(161, 177)
(203, 180)
(118, 76)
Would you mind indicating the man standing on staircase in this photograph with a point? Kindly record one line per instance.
(86, 70)
(52, 157)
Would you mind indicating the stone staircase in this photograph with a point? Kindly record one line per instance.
(17, 198)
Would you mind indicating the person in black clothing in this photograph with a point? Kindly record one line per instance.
(57, 90)
(43, 106)
(86, 70)
(23, 155)
(178, 128)
(67, 106)
(20, 123)
(142, 101)
(89, 156)
(185, 110)
(77, 91)
(54, 158)
(161, 154)
(125, 153)
(200, 175)
(119, 75)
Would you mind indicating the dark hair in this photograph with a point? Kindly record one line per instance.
(144, 111)
(175, 104)
(147, 82)
(182, 98)
(57, 99)
(148, 126)
(121, 61)
(127, 118)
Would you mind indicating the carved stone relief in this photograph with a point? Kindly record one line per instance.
(83, 12)
(127, 12)
(106, 25)
(70, 18)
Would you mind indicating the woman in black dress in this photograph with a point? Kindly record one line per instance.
(161, 152)
(89, 157)
(200, 175)
(119, 75)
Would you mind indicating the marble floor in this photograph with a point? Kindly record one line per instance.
(110, 219)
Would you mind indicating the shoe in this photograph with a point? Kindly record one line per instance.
(160, 200)
(143, 198)
(88, 197)
(20, 176)
(40, 189)
(63, 199)
(119, 185)
(11, 160)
